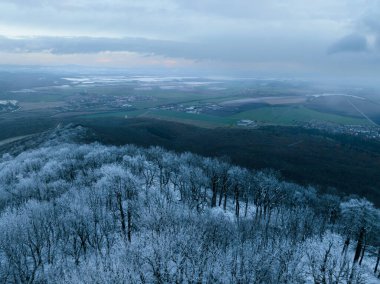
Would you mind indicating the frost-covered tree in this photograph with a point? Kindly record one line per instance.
(89, 213)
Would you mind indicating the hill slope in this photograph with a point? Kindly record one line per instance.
(89, 213)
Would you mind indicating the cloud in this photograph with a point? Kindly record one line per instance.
(238, 48)
(79, 45)
(246, 34)
(350, 43)
(370, 24)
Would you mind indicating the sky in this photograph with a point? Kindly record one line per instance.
(291, 38)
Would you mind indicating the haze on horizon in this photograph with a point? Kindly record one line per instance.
(322, 38)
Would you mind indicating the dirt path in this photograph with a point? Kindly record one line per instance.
(13, 139)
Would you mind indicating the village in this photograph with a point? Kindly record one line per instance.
(364, 131)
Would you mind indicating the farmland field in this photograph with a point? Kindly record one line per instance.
(290, 115)
(196, 101)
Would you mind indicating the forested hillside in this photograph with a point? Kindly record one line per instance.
(87, 213)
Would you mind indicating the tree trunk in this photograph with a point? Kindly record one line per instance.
(237, 204)
(377, 260)
(359, 245)
(246, 207)
(346, 244)
(129, 217)
(324, 265)
(358, 251)
(225, 200)
(220, 197)
(121, 212)
(214, 192)
(363, 252)
(223, 192)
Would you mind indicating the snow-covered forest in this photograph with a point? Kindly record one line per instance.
(88, 213)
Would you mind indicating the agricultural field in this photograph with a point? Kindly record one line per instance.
(200, 102)
(291, 115)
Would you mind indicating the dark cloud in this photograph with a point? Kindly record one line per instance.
(350, 43)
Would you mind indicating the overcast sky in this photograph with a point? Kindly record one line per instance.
(338, 38)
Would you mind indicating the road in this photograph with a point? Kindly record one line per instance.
(363, 114)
